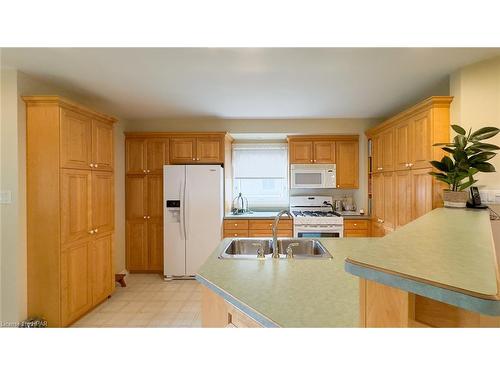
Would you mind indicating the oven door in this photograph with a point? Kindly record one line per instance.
(308, 178)
(318, 231)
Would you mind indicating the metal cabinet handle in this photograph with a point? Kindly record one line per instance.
(149, 217)
(410, 164)
(95, 166)
(91, 231)
(148, 171)
(311, 161)
(91, 165)
(143, 171)
(144, 217)
(315, 160)
(95, 230)
(194, 159)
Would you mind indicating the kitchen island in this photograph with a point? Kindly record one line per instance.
(442, 263)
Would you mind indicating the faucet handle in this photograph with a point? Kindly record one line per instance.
(289, 249)
(260, 250)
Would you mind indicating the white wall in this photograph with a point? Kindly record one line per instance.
(273, 126)
(13, 167)
(476, 103)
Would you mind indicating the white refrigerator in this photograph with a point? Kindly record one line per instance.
(193, 212)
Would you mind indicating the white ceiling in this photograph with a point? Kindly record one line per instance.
(248, 83)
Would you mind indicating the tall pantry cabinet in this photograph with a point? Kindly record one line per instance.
(70, 208)
(401, 148)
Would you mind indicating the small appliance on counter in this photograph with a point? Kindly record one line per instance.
(240, 205)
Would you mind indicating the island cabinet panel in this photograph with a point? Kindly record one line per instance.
(301, 152)
(70, 198)
(218, 313)
(356, 228)
(383, 306)
(414, 131)
(347, 159)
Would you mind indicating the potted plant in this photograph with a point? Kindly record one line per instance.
(468, 156)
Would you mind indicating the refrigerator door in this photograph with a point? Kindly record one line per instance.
(174, 238)
(204, 212)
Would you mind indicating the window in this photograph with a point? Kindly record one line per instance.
(260, 173)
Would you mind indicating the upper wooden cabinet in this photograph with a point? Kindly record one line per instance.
(157, 154)
(303, 151)
(347, 156)
(200, 149)
(70, 208)
(342, 150)
(403, 143)
(86, 143)
(135, 156)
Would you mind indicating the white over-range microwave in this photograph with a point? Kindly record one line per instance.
(313, 176)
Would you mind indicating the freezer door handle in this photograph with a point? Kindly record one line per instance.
(181, 211)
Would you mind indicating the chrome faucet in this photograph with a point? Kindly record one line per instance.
(275, 231)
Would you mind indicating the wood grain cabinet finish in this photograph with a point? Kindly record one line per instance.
(256, 228)
(157, 155)
(70, 208)
(137, 255)
(183, 150)
(200, 149)
(135, 156)
(209, 150)
(324, 152)
(301, 152)
(356, 228)
(347, 164)
(413, 191)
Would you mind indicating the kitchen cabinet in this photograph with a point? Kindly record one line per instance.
(70, 208)
(256, 228)
(347, 156)
(218, 313)
(201, 149)
(356, 227)
(86, 143)
(324, 152)
(301, 152)
(135, 156)
(407, 139)
(157, 154)
(144, 216)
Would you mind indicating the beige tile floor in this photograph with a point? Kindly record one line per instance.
(148, 301)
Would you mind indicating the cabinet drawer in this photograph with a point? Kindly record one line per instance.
(269, 233)
(268, 224)
(356, 233)
(235, 224)
(356, 224)
(235, 233)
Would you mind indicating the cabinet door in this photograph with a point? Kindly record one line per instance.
(76, 290)
(135, 158)
(182, 150)
(389, 206)
(102, 268)
(76, 205)
(157, 155)
(420, 140)
(155, 244)
(136, 197)
(324, 152)
(136, 244)
(377, 153)
(401, 146)
(76, 140)
(387, 150)
(377, 196)
(301, 152)
(209, 150)
(347, 164)
(403, 197)
(102, 145)
(155, 197)
(103, 201)
(421, 185)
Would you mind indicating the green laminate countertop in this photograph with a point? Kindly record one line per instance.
(447, 254)
(290, 293)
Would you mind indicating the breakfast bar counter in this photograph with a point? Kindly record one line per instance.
(445, 260)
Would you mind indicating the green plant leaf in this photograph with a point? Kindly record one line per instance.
(448, 149)
(465, 185)
(485, 133)
(482, 156)
(440, 166)
(458, 129)
(485, 167)
(484, 147)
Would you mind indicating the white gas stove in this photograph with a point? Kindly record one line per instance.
(313, 216)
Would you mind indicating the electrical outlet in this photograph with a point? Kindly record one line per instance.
(5, 197)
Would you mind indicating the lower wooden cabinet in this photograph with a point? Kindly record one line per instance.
(86, 276)
(356, 228)
(256, 228)
(218, 313)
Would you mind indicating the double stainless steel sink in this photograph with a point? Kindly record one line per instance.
(249, 248)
